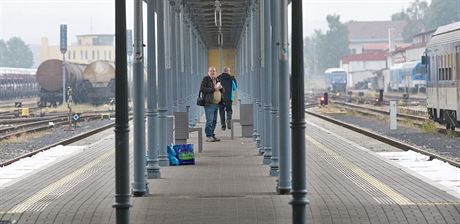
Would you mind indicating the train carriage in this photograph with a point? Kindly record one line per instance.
(408, 77)
(336, 80)
(442, 57)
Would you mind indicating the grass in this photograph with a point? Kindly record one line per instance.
(24, 137)
(429, 127)
(78, 108)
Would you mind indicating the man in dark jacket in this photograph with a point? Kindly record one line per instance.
(229, 83)
(212, 91)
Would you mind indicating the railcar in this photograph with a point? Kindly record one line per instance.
(442, 59)
(408, 77)
(17, 83)
(336, 80)
(93, 83)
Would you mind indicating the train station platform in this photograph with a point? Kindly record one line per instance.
(348, 182)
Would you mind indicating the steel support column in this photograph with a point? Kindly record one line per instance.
(268, 85)
(284, 180)
(275, 8)
(122, 194)
(153, 168)
(299, 189)
(162, 106)
(139, 186)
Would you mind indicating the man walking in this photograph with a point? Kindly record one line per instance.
(212, 90)
(229, 83)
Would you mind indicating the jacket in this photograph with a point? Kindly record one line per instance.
(207, 90)
(226, 80)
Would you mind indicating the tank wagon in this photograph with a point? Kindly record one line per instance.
(442, 60)
(98, 85)
(93, 83)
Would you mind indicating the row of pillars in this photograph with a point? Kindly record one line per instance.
(263, 66)
(176, 62)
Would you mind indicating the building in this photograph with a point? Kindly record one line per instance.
(362, 34)
(88, 48)
(362, 67)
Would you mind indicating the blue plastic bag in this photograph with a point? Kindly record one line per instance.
(172, 156)
(184, 153)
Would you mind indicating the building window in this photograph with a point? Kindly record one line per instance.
(110, 55)
(86, 54)
(97, 53)
(93, 55)
(81, 54)
(105, 55)
(73, 54)
(68, 55)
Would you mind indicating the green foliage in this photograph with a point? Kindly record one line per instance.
(415, 16)
(15, 53)
(429, 127)
(324, 50)
(443, 12)
(3, 53)
(419, 16)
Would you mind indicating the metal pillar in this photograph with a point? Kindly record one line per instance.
(170, 71)
(255, 84)
(275, 7)
(139, 184)
(259, 138)
(122, 194)
(268, 85)
(299, 190)
(284, 180)
(162, 106)
(153, 168)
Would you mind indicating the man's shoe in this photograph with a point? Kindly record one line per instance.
(210, 139)
(229, 124)
(223, 128)
(216, 139)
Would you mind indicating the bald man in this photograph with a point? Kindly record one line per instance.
(225, 107)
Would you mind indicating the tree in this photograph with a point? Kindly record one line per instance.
(399, 16)
(443, 12)
(18, 54)
(324, 50)
(416, 18)
(3, 53)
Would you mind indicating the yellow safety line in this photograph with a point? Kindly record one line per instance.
(56, 185)
(382, 187)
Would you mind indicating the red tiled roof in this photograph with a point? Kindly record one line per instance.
(373, 30)
(364, 57)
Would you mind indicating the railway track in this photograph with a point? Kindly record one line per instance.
(40, 125)
(387, 140)
(63, 142)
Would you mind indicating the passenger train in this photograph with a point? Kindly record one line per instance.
(442, 57)
(408, 77)
(336, 80)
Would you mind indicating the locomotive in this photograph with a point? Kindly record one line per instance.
(442, 60)
(336, 80)
(93, 83)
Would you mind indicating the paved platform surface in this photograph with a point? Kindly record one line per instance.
(347, 183)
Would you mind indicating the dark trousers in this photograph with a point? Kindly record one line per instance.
(225, 106)
(210, 112)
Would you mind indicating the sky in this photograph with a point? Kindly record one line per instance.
(33, 19)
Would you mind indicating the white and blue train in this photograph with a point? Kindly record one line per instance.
(336, 80)
(408, 77)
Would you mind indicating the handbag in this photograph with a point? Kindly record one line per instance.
(200, 100)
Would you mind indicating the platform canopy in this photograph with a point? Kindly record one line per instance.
(205, 15)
